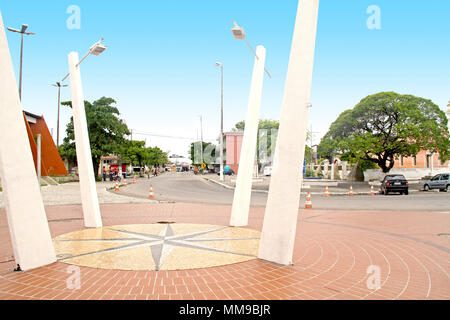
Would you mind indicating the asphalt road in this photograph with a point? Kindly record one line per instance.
(186, 187)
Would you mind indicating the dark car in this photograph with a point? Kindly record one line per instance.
(394, 183)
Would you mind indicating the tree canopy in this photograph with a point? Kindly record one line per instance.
(386, 125)
(106, 131)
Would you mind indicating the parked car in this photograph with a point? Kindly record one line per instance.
(394, 183)
(268, 171)
(439, 181)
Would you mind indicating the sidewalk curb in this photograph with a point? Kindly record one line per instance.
(302, 193)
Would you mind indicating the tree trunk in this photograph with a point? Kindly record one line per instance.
(96, 165)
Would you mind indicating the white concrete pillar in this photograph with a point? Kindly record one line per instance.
(243, 190)
(89, 198)
(28, 226)
(280, 220)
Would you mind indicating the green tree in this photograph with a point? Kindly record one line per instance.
(156, 157)
(106, 131)
(386, 125)
(134, 151)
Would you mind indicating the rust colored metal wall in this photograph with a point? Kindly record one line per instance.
(51, 162)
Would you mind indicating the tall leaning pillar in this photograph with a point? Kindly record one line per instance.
(243, 190)
(280, 220)
(89, 198)
(28, 226)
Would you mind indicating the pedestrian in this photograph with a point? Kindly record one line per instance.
(104, 173)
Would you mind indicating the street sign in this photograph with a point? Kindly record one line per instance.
(203, 165)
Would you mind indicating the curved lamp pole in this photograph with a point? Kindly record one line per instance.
(89, 197)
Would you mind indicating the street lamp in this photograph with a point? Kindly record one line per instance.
(95, 50)
(59, 85)
(239, 34)
(22, 32)
(218, 64)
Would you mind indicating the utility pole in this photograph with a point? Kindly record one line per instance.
(221, 120)
(39, 155)
(59, 85)
(201, 138)
(311, 133)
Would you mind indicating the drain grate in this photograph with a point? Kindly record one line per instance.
(444, 234)
(166, 222)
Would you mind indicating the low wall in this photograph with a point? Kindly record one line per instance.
(410, 174)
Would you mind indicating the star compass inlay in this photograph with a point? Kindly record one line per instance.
(157, 246)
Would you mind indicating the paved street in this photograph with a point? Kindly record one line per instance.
(186, 187)
(334, 248)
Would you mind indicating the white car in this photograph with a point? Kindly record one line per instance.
(268, 171)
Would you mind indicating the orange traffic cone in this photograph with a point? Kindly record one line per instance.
(308, 203)
(134, 179)
(117, 186)
(351, 191)
(151, 196)
(372, 192)
(327, 193)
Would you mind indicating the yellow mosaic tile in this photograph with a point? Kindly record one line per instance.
(158, 246)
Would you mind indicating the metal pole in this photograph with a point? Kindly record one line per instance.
(20, 72)
(39, 158)
(201, 138)
(221, 124)
(57, 123)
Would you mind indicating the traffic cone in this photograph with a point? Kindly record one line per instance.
(308, 203)
(372, 192)
(327, 193)
(134, 179)
(151, 196)
(117, 186)
(351, 191)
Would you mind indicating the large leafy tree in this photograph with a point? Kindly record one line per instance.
(107, 131)
(386, 125)
(136, 152)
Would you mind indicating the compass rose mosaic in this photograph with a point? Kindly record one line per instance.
(157, 246)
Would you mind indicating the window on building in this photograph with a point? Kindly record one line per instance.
(414, 161)
(401, 161)
(428, 161)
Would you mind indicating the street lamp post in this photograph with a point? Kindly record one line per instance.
(89, 198)
(242, 194)
(22, 32)
(221, 119)
(59, 85)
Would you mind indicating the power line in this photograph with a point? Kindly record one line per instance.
(152, 134)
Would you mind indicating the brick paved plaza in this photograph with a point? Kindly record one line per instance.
(333, 251)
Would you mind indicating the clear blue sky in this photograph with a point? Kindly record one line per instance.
(160, 61)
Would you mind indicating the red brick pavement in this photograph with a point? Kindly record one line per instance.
(333, 250)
